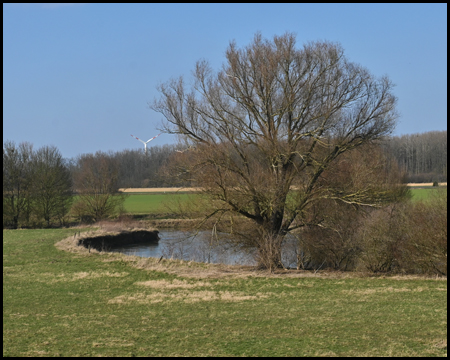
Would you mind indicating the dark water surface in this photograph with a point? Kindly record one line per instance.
(185, 245)
(200, 247)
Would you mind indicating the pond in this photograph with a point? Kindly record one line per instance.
(202, 247)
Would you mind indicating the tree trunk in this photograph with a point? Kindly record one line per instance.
(269, 251)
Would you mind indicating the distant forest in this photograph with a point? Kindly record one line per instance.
(422, 157)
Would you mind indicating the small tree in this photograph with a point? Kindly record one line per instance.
(17, 181)
(52, 185)
(265, 129)
(95, 182)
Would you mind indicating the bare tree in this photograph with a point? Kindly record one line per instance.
(52, 185)
(266, 127)
(95, 182)
(17, 180)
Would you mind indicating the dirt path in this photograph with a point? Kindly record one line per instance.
(158, 190)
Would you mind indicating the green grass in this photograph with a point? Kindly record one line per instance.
(419, 194)
(57, 303)
(155, 203)
(163, 204)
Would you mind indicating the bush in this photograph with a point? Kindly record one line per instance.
(331, 244)
(426, 248)
(408, 238)
(381, 237)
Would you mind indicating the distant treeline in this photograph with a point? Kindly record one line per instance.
(138, 169)
(423, 157)
(38, 184)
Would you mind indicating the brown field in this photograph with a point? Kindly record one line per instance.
(426, 184)
(158, 190)
(181, 189)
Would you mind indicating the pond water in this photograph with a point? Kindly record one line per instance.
(202, 247)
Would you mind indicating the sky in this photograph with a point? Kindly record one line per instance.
(80, 76)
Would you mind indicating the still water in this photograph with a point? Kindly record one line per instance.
(201, 247)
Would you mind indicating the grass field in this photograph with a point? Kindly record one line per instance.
(420, 194)
(162, 204)
(57, 303)
(155, 203)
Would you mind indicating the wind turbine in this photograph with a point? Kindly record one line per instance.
(145, 142)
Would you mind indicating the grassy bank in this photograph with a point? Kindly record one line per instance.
(58, 303)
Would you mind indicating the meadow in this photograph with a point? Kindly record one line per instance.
(155, 204)
(419, 194)
(60, 303)
(162, 205)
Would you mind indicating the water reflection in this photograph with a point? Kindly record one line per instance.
(196, 246)
(203, 247)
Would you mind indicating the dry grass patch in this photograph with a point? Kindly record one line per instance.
(440, 344)
(187, 292)
(185, 296)
(51, 278)
(113, 343)
(175, 284)
(381, 290)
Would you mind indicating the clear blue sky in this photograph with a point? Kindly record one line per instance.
(80, 76)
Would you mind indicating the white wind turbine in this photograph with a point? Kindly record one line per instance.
(145, 142)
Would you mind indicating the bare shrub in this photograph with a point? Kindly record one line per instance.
(426, 248)
(380, 237)
(95, 182)
(331, 243)
(409, 238)
(268, 254)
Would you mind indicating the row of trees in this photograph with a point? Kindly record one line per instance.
(37, 185)
(420, 157)
(136, 169)
(40, 188)
(133, 168)
(423, 157)
(140, 170)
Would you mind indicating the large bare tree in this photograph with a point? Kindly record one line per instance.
(264, 129)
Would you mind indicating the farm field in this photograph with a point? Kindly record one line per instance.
(163, 203)
(58, 303)
(155, 203)
(419, 194)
